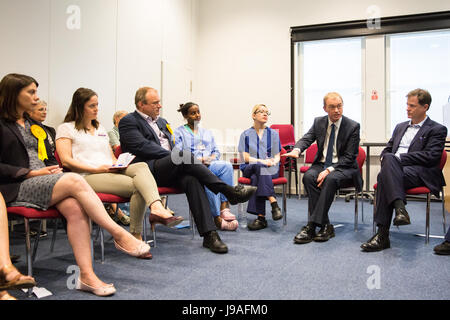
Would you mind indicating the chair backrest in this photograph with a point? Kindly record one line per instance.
(443, 159)
(282, 162)
(58, 159)
(286, 132)
(310, 153)
(361, 158)
(118, 151)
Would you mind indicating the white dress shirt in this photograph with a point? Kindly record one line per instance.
(161, 136)
(408, 137)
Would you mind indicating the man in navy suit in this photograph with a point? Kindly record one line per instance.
(149, 137)
(333, 167)
(410, 159)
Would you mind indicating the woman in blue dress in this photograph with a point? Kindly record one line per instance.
(259, 148)
(200, 142)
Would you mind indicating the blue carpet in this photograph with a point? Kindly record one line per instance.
(262, 265)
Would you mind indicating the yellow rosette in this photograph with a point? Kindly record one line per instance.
(171, 132)
(40, 134)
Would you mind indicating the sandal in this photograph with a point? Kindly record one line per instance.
(4, 295)
(123, 220)
(18, 282)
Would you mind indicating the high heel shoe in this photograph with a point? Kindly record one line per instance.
(103, 291)
(168, 222)
(142, 251)
(20, 281)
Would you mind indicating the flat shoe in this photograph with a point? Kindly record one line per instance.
(229, 225)
(226, 214)
(142, 251)
(104, 291)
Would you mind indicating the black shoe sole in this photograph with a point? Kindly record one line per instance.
(324, 239)
(256, 229)
(277, 217)
(221, 251)
(442, 253)
(302, 241)
(374, 249)
(401, 223)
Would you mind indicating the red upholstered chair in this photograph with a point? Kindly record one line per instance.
(163, 191)
(360, 159)
(281, 180)
(27, 214)
(420, 191)
(287, 140)
(310, 154)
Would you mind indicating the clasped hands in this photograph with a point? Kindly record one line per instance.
(44, 171)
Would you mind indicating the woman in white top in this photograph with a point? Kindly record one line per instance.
(82, 144)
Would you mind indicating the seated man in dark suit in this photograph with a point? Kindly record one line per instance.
(150, 138)
(410, 159)
(333, 167)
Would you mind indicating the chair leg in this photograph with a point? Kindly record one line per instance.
(427, 226)
(55, 230)
(36, 241)
(284, 205)
(362, 207)
(443, 211)
(154, 234)
(356, 210)
(289, 177)
(192, 223)
(144, 228)
(374, 208)
(28, 249)
(102, 244)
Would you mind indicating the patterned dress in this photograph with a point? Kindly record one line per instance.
(34, 192)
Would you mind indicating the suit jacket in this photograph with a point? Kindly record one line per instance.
(347, 145)
(424, 152)
(14, 160)
(138, 138)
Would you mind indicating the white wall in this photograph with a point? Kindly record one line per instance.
(243, 55)
(118, 48)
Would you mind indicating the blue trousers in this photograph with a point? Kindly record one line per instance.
(224, 171)
(261, 176)
(447, 235)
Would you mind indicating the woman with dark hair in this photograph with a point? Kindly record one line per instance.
(82, 144)
(31, 177)
(200, 142)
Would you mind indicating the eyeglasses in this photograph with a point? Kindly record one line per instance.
(263, 112)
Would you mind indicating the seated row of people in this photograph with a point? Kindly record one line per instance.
(188, 159)
(30, 176)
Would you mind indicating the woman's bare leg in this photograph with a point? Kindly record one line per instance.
(79, 234)
(75, 186)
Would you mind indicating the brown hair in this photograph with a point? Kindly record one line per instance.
(140, 95)
(423, 96)
(76, 109)
(10, 87)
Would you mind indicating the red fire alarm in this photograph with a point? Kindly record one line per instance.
(374, 95)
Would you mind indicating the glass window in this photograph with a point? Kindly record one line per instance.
(418, 60)
(330, 65)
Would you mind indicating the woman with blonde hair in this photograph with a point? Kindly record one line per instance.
(259, 148)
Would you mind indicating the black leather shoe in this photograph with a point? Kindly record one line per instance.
(306, 235)
(212, 241)
(378, 242)
(325, 233)
(240, 194)
(257, 224)
(276, 213)
(401, 217)
(443, 248)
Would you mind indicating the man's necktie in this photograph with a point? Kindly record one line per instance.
(329, 157)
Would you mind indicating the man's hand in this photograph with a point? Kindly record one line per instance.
(44, 171)
(292, 154)
(322, 177)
